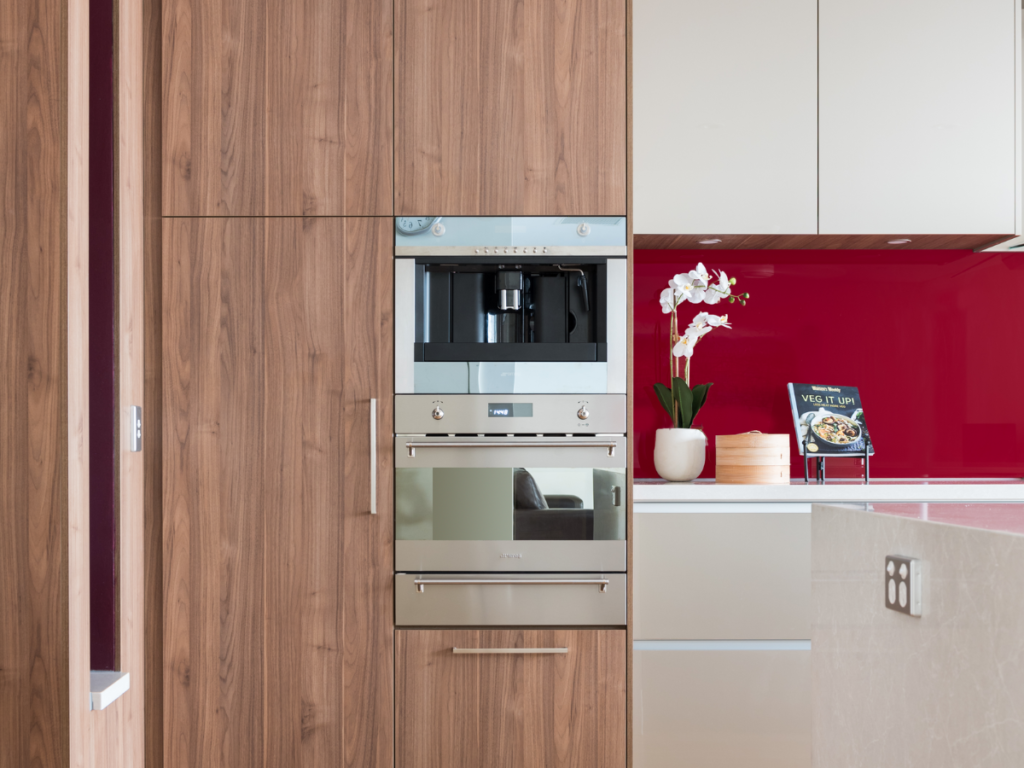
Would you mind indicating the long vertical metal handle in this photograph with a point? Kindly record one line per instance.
(373, 456)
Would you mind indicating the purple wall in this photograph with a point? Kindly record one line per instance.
(102, 340)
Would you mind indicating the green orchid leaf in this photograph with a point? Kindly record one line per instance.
(665, 397)
(684, 400)
(700, 396)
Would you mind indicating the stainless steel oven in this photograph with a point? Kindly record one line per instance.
(517, 483)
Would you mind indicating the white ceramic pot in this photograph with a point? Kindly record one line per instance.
(679, 454)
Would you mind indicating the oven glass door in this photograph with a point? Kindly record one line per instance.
(510, 503)
(543, 501)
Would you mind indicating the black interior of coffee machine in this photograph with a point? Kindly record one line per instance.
(511, 312)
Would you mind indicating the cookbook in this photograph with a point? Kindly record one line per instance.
(829, 420)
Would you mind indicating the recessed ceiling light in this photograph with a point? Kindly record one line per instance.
(900, 241)
(710, 241)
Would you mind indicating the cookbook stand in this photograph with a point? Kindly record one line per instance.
(819, 470)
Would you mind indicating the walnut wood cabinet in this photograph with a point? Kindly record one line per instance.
(515, 710)
(510, 107)
(277, 108)
(277, 578)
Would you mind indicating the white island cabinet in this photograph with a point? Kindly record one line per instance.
(722, 615)
(725, 116)
(918, 116)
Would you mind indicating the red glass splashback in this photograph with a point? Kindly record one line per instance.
(933, 339)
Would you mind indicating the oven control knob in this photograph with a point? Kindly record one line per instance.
(437, 413)
(583, 413)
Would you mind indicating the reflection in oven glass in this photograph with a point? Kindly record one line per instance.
(502, 504)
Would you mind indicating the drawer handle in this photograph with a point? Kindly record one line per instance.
(422, 583)
(515, 444)
(510, 650)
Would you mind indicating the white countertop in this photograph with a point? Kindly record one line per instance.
(932, 490)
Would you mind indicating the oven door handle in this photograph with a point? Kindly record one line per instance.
(609, 445)
(422, 583)
(510, 650)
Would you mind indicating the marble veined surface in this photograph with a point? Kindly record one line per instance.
(945, 690)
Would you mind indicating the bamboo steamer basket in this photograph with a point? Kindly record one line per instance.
(752, 459)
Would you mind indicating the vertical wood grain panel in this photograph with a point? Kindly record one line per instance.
(367, 558)
(510, 107)
(152, 450)
(630, 471)
(34, 232)
(438, 106)
(278, 619)
(213, 505)
(500, 115)
(75, 347)
(303, 377)
(514, 711)
(277, 108)
(213, 107)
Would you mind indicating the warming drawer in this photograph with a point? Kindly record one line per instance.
(533, 599)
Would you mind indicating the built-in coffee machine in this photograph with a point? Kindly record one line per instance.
(510, 420)
(525, 304)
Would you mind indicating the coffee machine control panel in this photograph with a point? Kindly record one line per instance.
(512, 414)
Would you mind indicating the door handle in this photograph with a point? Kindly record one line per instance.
(610, 445)
(373, 456)
(510, 650)
(422, 583)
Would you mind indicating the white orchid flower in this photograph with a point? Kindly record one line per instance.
(724, 284)
(699, 327)
(684, 347)
(718, 321)
(668, 300)
(700, 275)
(688, 288)
(696, 293)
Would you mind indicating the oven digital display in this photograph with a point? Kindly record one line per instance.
(509, 410)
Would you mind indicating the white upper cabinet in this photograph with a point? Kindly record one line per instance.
(918, 116)
(725, 116)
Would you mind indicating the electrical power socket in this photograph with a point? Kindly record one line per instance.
(903, 584)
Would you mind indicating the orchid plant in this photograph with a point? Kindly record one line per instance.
(696, 287)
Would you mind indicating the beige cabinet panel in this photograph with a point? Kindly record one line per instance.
(721, 576)
(721, 709)
(725, 120)
(918, 129)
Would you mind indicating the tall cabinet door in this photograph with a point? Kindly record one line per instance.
(277, 107)
(277, 573)
(510, 107)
